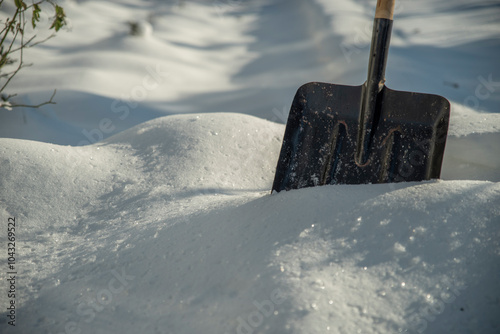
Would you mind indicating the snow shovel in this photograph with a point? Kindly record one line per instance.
(338, 134)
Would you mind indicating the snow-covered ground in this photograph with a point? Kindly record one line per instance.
(142, 198)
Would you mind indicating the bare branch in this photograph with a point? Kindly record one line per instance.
(20, 61)
(4, 75)
(8, 97)
(50, 101)
(9, 26)
(28, 45)
(13, 40)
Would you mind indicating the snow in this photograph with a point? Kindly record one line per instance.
(142, 198)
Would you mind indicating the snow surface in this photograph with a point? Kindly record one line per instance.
(142, 198)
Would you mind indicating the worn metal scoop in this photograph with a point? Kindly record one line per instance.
(339, 134)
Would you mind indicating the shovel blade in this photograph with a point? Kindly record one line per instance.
(319, 145)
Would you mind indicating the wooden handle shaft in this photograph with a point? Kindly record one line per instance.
(385, 9)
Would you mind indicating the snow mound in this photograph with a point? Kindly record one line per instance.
(169, 227)
(472, 152)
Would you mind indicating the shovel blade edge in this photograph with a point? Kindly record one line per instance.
(319, 144)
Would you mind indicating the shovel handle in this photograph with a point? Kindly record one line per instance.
(370, 107)
(385, 9)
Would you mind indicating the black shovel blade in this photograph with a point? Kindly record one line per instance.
(319, 146)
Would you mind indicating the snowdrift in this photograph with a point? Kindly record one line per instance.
(169, 227)
(159, 217)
